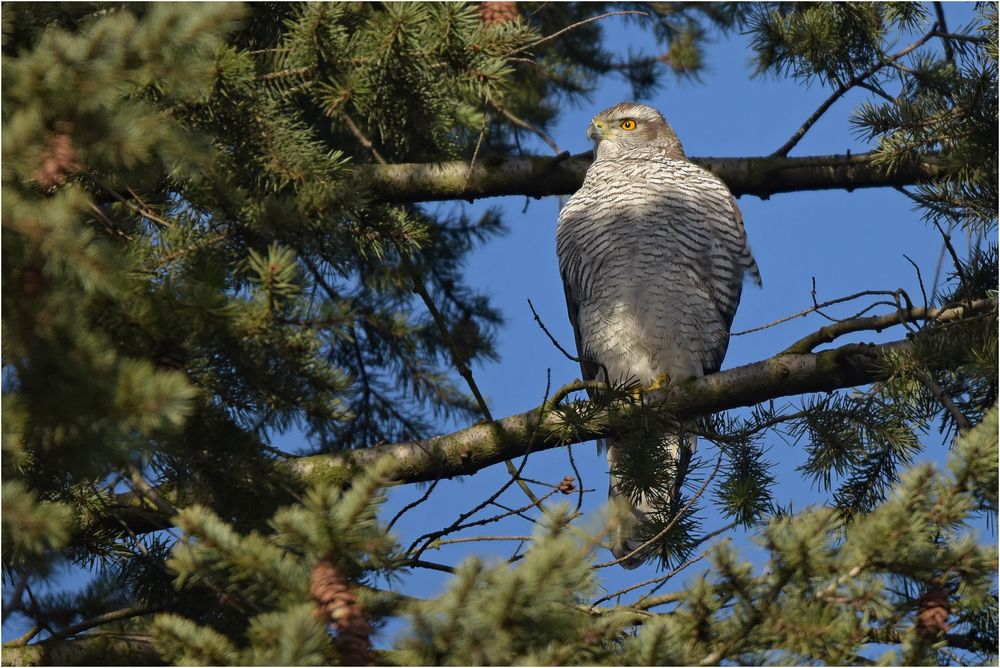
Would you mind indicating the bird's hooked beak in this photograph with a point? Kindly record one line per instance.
(597, 130)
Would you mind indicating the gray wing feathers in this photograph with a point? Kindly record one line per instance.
(652, 253)
(665, 237)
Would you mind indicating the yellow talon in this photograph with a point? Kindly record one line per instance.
(660, 382)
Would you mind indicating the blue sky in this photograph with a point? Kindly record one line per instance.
(847, 241)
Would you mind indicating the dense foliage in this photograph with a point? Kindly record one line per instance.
(192, 267)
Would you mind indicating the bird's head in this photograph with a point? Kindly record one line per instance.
(633, 129)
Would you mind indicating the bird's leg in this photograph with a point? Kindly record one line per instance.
(659, 382)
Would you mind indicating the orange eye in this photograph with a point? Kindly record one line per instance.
(628, 124)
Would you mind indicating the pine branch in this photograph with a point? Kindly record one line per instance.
(879, 322)
(472, 449)
(540, 176)
(843, 89)
(467, 451)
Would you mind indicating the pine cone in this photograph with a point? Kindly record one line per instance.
(568, 485)
(338, 602)
(58, 160)
(493, 13)
(933, 612)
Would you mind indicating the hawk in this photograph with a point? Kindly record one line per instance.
(653, 254)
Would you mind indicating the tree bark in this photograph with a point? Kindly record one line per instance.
(540, 176)
(95, 650)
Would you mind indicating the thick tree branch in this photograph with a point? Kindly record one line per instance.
(537, 176)
(479, 446)
(88, 650)
(472, 449)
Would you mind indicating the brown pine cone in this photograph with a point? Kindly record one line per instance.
(933, 612)
(337, 601)
(568, 485)
(58, 160)
(498, 12)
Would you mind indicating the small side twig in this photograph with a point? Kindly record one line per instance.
(475, 153)
(942, 32)
(106, 618)
(362, 139)
(658, 579)
(523, 124)
(842, 90)
(879, 322)
(413, 504)
(920, 280)
(559, 347)
(927, 380)
(815, 308)
(574, 26)
(475, 539)
(966, 287)
(579, 478)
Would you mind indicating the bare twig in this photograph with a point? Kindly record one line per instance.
(963, 279)
(879, 322)
(558, 346)
(579, 479)
(515, 476)
(920, 279)
(574, 27)
(362, 139)
(475, 153)
(489, 520)
(815, 308)
(429, 565)
(514, 511)
(143, 210)
(475, 539)
(526, 125)
(892, 293)
(961, 421)
(106, 618)
(841, 90)
(413, 504)
(942, 32)
(14, 602)
(975, 39)
(658, 579)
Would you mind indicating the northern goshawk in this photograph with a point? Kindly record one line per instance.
(653, 253)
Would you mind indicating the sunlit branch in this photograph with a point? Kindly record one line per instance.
(541, 176)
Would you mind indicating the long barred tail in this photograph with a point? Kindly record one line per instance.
(630, 535)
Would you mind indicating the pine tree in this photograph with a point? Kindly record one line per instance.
(212, 234)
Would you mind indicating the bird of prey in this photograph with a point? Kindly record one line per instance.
(652, 253)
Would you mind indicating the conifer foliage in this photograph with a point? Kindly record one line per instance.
(194, 264)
